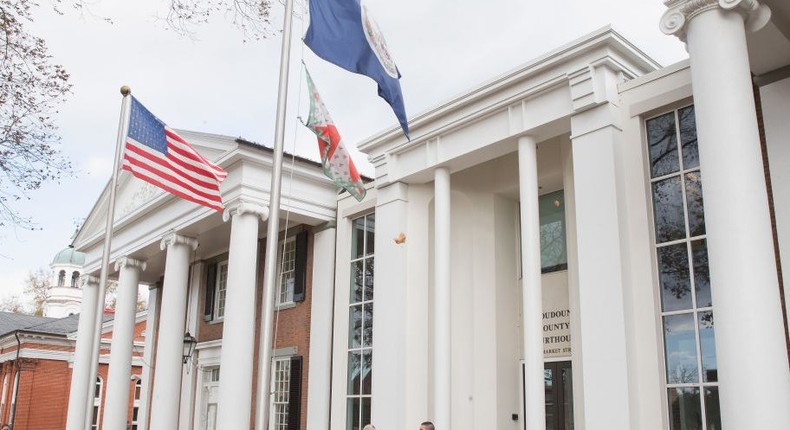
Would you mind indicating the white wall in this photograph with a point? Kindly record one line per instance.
(775, 99)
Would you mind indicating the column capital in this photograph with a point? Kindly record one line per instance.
(130, 262)
(176, 239)
(680, 12)
(241, 207)
(88, 280)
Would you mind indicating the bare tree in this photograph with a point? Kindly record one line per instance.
(12, 304)
(252, 17)
(38, 286)
(31, 88)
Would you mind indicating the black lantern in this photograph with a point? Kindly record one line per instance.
(189, 346)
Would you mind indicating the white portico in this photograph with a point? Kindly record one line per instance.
(164, 241)
(459, 303)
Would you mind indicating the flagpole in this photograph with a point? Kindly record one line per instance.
(273, 229)
(105, 260)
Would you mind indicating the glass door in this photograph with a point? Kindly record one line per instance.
(558, 382)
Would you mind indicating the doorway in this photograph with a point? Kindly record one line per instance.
(558, 383)
(558, 380)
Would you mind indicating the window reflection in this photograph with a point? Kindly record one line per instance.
(707, 347)
(684, 409)
(662, 142)
(673, 273)
(681, 349)
(668, 210)
(696, 213)
(699, 253)
(678, 209)
(688, 137)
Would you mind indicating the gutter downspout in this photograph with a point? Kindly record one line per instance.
(16, 380)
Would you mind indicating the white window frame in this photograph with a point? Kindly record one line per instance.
(96, 425)
(220, 291)
(286, 272)
(695, 310)
(281, 390)
(210, 380)
(137, 385)
(361, 348)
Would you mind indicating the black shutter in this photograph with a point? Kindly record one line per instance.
(300, 269)
(211, 285)
(295, 394)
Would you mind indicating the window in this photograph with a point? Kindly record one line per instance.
(281, 372)
(286, 389)
(62, 278)
(287, 265)
(75, 278)
(97, 393)
(210, 396)
(682, 263)
(221, 288)
(553, 250)
(137, 385)
(360, 324)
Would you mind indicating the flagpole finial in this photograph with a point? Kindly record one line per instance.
(125, 90)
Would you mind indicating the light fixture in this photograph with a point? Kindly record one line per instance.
(189, 346)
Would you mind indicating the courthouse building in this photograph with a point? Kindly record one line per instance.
(589, 241)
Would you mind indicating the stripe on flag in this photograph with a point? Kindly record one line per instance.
(159, 156)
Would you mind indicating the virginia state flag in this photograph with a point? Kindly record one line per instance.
(342, 32)
(335, 158)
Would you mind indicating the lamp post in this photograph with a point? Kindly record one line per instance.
(189, 346)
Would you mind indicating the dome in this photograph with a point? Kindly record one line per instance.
(69, 256)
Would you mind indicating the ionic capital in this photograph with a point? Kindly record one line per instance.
(241, 207)
(130, 262)
(680, 12)
(89, 281)
(176, 239)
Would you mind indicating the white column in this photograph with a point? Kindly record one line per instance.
(320, 363)
(81, 383)
(750, 343)
(442, 348)
(190, 375)
(531, 293)
(601, 318)
(170, 345)
(116, 407)
(151, 320)
(390, 314)
(238, 332)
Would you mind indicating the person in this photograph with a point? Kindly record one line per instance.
(427, 425)
(369, 427)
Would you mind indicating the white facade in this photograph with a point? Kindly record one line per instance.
(591, 219)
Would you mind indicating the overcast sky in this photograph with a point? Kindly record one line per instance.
(217, 83)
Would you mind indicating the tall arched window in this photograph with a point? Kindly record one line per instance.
(75, 277)
(62, 278)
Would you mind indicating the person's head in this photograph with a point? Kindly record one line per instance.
(369, 427)
(427, 425)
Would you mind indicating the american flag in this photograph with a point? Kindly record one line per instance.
(156, 154)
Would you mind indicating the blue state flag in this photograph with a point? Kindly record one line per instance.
(343, 33)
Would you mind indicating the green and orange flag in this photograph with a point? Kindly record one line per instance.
(335, 158)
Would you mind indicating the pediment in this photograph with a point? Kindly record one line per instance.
(133, 193)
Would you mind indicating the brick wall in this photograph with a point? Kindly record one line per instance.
(292, 325)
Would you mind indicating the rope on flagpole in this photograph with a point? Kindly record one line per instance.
(290, 181)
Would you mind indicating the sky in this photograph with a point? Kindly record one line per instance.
(216, 82)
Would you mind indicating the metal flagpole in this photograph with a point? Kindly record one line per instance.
(105, 260)
(273, 228)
